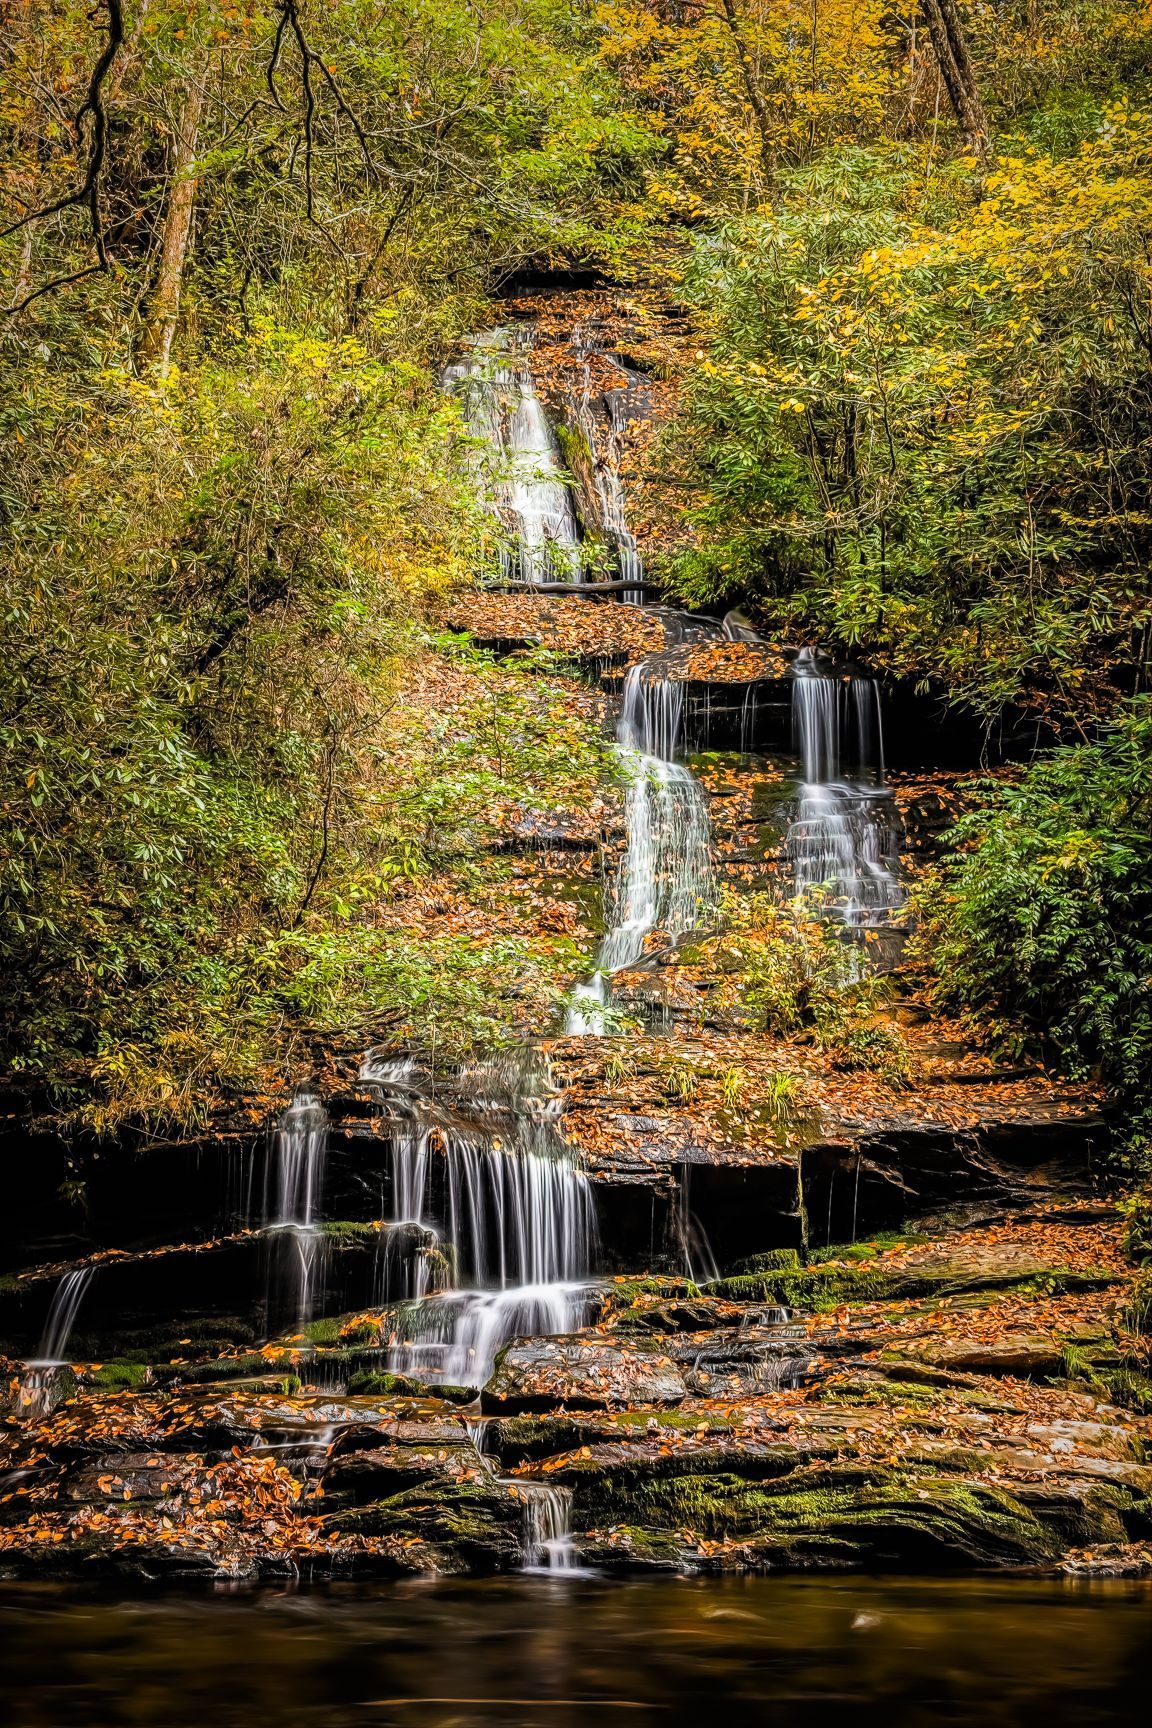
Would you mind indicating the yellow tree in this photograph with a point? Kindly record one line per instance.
(742, 88)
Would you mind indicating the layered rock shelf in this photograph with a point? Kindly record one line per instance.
(963, 1398)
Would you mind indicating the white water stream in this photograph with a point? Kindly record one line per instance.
(665, 880)
(498, 1209)
(843, 840)
(548, 1545)
(517, 459)
(61, 1318)
(41, 1375)
(293, 1200)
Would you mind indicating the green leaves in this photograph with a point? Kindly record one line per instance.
(923, 420)
(1041, 920)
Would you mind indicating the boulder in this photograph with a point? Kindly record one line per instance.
(362, 1477)
(585, 1373)
(444, 1525)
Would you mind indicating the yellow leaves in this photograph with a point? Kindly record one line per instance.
(821, 75)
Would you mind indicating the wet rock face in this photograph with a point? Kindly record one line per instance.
(852, 1517)
(451, 1525)
(362, 1477)
(969, 1398)
(583, 1374)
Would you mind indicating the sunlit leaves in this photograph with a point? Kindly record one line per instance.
(924, 417)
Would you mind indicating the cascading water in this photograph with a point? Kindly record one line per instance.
(699, 1262)
(665, 877)
(293, 1196)
(548, 1543)
(519, 460)
(42, 1370)
(843, 841)
(483, 1176)
(61, 1318)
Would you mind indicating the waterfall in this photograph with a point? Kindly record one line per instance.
(293, 1196)
(843, 840)
(301, 1143)
(41, 1380)
(519, 466)
(454, 1337)
(700, 1263)
(480, 1172)
(61, 1318)
(547, 1527)
(605, 441)
(665, 877)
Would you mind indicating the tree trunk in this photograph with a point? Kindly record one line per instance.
(163, 305)
(951, 48)
(751, 85)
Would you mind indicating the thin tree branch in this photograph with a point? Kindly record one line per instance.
(88, 192)
(50, 287)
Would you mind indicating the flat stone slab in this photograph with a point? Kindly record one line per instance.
(581, 1373)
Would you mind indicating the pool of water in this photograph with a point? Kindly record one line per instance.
(525, 1653)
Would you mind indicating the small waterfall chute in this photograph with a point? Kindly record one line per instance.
(293, 1197)
(41, 1379)
(61, 1317)
(665, 879)
(843, 838)
(548, 1545)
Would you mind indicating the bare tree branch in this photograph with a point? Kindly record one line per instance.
(88, 192)
(49, 288)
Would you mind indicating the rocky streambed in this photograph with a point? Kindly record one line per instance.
(966, 1398)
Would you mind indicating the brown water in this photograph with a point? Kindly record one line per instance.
(534, 1654)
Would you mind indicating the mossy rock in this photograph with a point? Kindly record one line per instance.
(349, 1233)
(817, 1288)
(531, 1438)
(170, 1346)
(773, 1260)
(383, 1384)
(249, 1366)
(855, 1516)
(830, 1285)
(870, 1249)
(117, 1376)
(681, 1314)
(372, 1474)
(444, 1527)
(326, 1331)
(257, 1386)
(622, 1292)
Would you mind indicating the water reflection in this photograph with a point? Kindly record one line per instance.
(526, 1654)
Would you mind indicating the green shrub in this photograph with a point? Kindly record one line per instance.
(789, 972)
(1039, 923)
